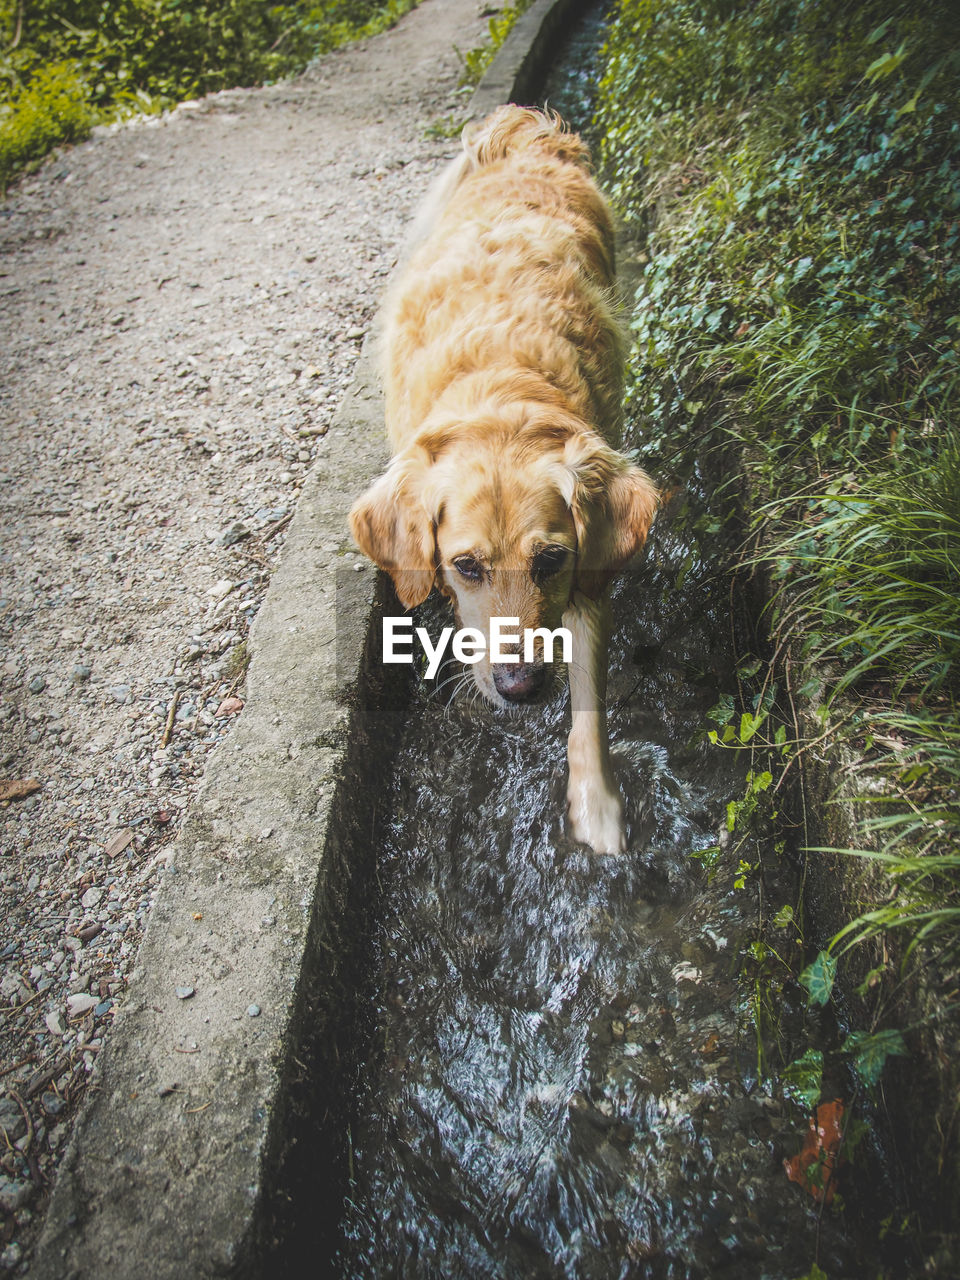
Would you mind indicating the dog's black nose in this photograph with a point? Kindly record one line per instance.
(519, 681)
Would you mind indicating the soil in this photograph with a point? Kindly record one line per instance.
(182, 301)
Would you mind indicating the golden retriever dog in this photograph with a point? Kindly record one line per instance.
(503, 392)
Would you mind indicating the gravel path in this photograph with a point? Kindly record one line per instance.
(181, 305)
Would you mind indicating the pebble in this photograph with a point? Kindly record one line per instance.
(220, 590)
(38, 684)
(14, 1195)
(11, 1256)
(12, 1123)
(52, 1104)
(80, 673)
(79, 1004)
(253, 1011)
(184, 993)
(54, 1024)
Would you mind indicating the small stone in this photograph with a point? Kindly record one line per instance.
(184, 993)
(14, 1194)
(236, 533)
(54, 1023)
(220, 590)
(11, 1256)
(91, 899)
(80, 1004)
(253, 1011)
(52, 1104)
(80, 673)
(38, 684)
(12, 1123)
(103, 1007)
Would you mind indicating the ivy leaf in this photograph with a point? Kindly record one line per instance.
(783, 918)
(870, 1052)
(818, 978)
(804, 1076)
(885, 65)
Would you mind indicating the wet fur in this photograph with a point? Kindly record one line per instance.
(503, 387)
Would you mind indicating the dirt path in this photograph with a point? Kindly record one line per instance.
(181, 305)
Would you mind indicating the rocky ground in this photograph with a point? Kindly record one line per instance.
(181, 304)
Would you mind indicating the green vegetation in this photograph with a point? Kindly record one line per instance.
(476, 61)
(62, 70)
(792, 170)
(795, 168)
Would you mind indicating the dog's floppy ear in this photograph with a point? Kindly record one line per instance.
(391, 525)
(613, 503)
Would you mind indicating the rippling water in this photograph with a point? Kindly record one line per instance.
(564, 1081)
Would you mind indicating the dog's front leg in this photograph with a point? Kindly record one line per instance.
(594, 804)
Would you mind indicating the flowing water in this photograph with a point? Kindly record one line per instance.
(561, 1074)
(564, 1080)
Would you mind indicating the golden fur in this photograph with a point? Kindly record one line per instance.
(503, 390)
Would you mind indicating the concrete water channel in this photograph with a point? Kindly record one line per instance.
(551, 1065)
(485, 1051)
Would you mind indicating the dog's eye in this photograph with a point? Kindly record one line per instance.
(547, 562)
(468, 568)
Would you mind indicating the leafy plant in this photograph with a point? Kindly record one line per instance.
(54, 109)
(476, 61)
(59, 74)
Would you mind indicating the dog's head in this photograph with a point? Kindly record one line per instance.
(508, 515)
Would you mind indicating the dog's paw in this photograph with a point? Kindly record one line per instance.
(595, 816)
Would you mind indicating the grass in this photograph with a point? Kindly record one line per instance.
(794, 166)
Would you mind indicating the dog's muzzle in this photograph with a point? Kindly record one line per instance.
(519, 681)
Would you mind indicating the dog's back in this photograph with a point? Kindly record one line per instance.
(510, 294)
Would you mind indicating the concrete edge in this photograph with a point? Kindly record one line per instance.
(517, 68)
(188, 1116)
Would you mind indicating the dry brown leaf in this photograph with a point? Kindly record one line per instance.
(18, 788)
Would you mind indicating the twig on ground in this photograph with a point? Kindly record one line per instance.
(168, 730)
